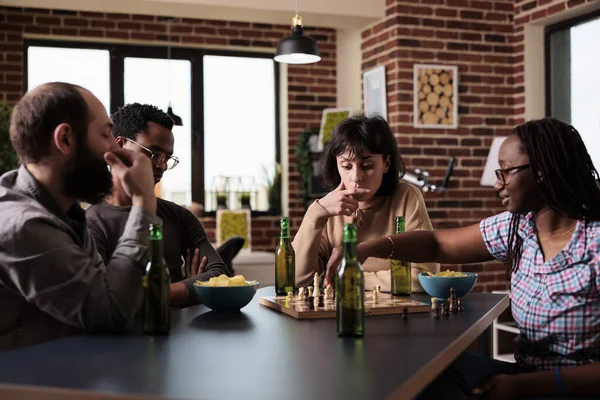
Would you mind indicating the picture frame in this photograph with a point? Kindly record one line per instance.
(331, 117)
(435, 96)
(374, 92)
(234, 223)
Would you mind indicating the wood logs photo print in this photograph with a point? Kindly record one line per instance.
(435, 96)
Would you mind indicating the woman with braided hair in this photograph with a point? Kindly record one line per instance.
(549, 240)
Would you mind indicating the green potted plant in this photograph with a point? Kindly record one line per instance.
(274, 190)
(245, 200)
(304, 158)
(8, 156)
(222, 200)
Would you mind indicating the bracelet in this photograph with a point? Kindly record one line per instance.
(393, 247)
(558, 380)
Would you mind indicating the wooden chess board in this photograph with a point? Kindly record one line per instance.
(307, 309)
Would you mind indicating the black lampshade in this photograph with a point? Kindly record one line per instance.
(297, 48)
(176, 118)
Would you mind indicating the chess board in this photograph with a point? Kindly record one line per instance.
(307, 309)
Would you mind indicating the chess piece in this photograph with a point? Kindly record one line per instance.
(317, 285)
(378, 288)
(327, 295)
(331, 294)
(289, 295)
(445, 310)
(434, 303)
(405, 313)
(310, 292)
(459, 303)
(316, 303)
(375, 296)
(301, 293)
(452, 301)
(437, 312)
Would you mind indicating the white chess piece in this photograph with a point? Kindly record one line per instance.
(301, 293)
(309, 291)
(329, 293)
(317, 286)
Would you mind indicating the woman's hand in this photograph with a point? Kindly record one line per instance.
(341, 201)
(500, 387)
(336, 258)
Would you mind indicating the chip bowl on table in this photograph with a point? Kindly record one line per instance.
(225, 294)
(439, 284)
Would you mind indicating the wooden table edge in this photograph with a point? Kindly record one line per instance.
(25, 392)
(423, 377)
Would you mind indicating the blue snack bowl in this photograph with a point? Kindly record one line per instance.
(225, 298)
(439, 286)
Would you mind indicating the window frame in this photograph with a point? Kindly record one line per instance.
(118, 53)
(548, 31)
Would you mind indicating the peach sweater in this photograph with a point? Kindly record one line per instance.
(319, 233)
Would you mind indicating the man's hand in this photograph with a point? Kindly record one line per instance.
(193, 265)
(134, 171)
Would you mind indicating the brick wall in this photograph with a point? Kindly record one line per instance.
(476, 37)
(484, 38)
(310, 88)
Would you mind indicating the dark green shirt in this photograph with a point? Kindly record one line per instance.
(181, 231)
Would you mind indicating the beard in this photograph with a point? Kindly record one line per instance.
(86, 177)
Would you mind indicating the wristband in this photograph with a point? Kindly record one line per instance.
(558, 380)
(393, 247)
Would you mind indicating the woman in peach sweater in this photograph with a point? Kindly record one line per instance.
(362, 164)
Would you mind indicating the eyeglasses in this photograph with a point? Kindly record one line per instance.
(158, 158)
(503, 174)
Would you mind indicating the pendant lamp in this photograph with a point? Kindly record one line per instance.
(177, 121)
(297, 48)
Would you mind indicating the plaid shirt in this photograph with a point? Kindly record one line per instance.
(556, 304)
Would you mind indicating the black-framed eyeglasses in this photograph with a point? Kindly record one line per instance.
(503, 173)
(158, 158)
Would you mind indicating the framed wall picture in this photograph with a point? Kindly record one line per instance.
(435, 96)
(234, 223)
(331, 117)
(374, 92)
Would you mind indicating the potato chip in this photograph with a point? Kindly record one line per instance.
(447, 274)
(223, 280)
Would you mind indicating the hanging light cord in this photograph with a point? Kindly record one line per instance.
(297, 6)
(169, 56)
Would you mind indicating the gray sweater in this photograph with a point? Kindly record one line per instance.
(181, 231)
(53, 283)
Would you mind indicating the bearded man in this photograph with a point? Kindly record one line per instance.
(53, 282)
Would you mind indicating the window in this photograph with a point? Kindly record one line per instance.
(239, 129)
(573, 80)
(162, 83)
(228, 102)
(88, 68)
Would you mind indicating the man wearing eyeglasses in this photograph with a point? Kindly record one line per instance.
(145, 129)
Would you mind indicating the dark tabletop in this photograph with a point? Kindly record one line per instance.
(258, 353)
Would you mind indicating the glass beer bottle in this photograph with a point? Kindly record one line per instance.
(400, 270)
(285, 261)
(156, 283)
(350, 289)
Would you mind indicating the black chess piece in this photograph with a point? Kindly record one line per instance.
(445, 309)
(405, 313)
(452, 301)
(437, 312)
(459, 303)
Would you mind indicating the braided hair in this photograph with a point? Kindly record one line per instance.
(564, 175)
